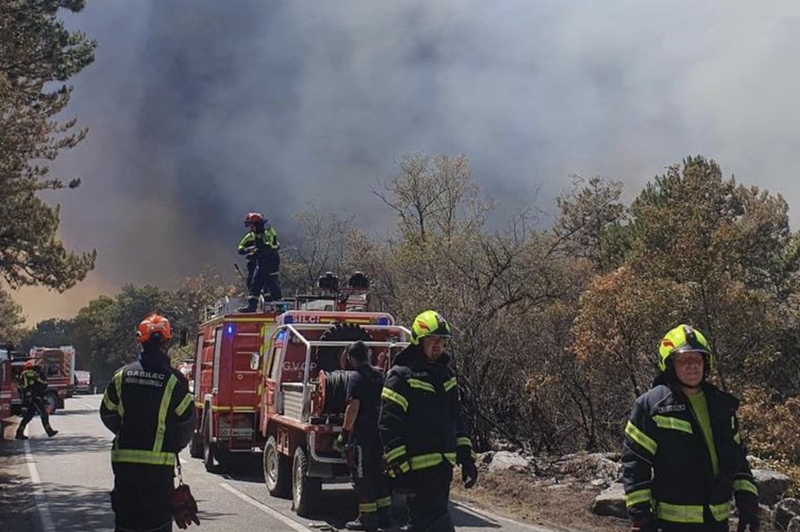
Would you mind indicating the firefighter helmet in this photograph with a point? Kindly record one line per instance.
(681, 339)
(429, 323)
(254, 218)
(154, 328)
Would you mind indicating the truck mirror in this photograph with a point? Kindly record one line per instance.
(184, 337)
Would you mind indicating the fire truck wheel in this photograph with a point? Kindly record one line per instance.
(306, 490)
(277, 470)
(209, 448)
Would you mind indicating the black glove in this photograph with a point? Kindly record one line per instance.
(469, 474)
(749, 511)
(749, 518)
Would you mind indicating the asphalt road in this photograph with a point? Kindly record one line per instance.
(62, 484)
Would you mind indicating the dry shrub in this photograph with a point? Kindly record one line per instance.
(772, 430)
(772, 433)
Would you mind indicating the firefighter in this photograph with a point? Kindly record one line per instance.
(361, 441)
(32, 384)
(260, 246)
(421, 427)
(683, 455)
(148, 407)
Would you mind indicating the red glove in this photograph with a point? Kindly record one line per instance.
(184, 507)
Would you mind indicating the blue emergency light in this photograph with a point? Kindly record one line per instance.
(383, 321)
(230, 328)
(288, 319)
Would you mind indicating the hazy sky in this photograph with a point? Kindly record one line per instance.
(201, 110)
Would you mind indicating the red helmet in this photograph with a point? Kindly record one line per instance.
(154, 327)
(30, 364)
(253, 218)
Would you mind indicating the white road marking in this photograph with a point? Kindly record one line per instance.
(41, 502)
(266, 509)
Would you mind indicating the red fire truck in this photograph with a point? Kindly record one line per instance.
(303, 403)
(229, 361)
(227, 382)
(59, 366)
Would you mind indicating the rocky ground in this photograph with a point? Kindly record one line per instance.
(583, 492)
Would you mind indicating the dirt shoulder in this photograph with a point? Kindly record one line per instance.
(521, 497)
(562, 506)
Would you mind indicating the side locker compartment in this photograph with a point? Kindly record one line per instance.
(269, 398)
(244, 383)
(221, 383)
(246, 360)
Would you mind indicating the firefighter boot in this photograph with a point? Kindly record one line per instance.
(443, 524)
(385, 517)
(20, 435)
(50, 431)
(252, 305)
(368, 522)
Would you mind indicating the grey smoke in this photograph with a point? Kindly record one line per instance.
(200, 110)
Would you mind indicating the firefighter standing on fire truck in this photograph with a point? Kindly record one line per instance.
(683, 455)
(32, 384)
(261, 246)
(421, 427)
(147, 405)
(362, 443)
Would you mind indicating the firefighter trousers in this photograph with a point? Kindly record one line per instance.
(34, 404)
(370, 483)
(265, 276)
(427, 509)
(141, 503)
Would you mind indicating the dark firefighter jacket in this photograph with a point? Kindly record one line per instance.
(31, 382)
(667, 467)
(420, 420)
(261, 247)
(149, 408)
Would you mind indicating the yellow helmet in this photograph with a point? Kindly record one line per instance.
(681, 339)
(429, 323)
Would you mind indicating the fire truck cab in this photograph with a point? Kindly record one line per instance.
(305, 376)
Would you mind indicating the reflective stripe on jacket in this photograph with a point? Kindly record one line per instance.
(420, 421)
(147, 408)
(667, 467)
(269, 238)
(31, 381)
